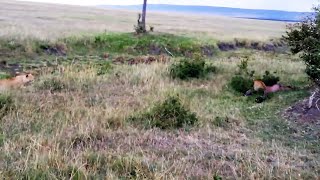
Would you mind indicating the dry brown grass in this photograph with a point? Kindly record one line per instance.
(48, 21)
(84, 124)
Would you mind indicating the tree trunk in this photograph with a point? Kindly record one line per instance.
(144, 9)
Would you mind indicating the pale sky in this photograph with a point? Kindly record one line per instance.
(289, 5)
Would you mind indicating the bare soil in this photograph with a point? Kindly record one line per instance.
(305, 121)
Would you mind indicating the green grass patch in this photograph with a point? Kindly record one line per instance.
(4, 76)
(169, 114)
(113, 43)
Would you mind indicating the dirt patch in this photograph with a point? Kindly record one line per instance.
(141, 60)
(208, 50)
(59, 49)
(156, 50)
(12, 68)
(226, 46)
(272, 46)
(303, 119)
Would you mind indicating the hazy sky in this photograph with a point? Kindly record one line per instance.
(290, 5)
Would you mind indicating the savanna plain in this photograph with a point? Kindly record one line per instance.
(107, 103)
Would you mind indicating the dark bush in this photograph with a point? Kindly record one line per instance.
(169, 114)
(188, 68)
(241, 84)
(270, 79)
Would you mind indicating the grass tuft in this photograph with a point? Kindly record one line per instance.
(169, 114)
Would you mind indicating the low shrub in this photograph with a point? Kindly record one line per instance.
(188, 68)
(270, 79)
(241, 84)
(169, 114)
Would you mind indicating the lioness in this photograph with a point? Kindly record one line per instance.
(16, 82)
(259, 85)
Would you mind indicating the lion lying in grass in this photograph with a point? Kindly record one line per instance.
(16, 82)
(259, 85)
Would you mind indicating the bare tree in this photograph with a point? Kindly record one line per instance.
(144, 12)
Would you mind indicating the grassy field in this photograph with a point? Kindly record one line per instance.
(76, 120)
(51, 22)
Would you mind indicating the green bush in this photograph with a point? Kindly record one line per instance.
(103, 68)
(169, 114)
(303, 38)
(241, 84)
(188, 68)
(270, 79)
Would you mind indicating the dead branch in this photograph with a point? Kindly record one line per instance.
(312, 97)
(168, 51)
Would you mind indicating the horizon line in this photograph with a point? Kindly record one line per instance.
(208, 6)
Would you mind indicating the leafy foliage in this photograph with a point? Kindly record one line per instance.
(169, 114)
(304, 38)
(188, 68)
(241, 84)
(270, 79)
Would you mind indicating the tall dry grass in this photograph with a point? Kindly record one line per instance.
(80, 130)
(48, 21)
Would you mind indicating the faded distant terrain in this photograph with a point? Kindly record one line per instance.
(47, 21)
(274, 15)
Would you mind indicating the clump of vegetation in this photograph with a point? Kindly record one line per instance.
(103, 68)
(220, 121)
(53, 84)
(131, 168)
(241, 84)
(4, 76)
(189, 68)
(304, 38)
(243, 80)
(170, 114)
(38, 173)
(6, 104)
(270, 79)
